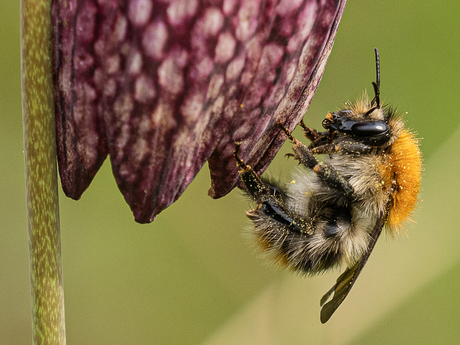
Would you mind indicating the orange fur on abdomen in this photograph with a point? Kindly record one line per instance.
(405, 164)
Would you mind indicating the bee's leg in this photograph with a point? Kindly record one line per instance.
(310, 133)
(269, 197)
(316, 138)
(324, 171)
(342, 147)
(254, 185)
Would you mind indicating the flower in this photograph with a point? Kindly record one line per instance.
(164, 86)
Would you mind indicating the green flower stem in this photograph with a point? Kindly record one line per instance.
(41, 178)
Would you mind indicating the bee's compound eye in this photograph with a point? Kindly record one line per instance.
(368, 129)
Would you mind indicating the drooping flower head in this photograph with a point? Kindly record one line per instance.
(164, 86)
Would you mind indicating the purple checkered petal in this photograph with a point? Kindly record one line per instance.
(164, 86)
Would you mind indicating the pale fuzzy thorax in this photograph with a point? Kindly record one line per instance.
(363, 173)
(305, 189)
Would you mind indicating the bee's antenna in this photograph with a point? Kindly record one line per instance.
(376, 84)
(375, 104)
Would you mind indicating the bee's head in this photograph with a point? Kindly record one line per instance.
(365, 121)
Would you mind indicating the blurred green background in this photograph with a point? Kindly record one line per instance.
(192, 278)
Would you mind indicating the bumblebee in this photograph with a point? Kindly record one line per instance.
(335, 208)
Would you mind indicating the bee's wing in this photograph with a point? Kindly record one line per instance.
(346, 280)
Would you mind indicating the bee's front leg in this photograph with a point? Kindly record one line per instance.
(325, 172)
(345, 146)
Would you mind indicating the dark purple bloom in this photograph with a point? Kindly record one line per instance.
(164, 86)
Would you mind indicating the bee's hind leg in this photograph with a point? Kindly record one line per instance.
(269, 197)
(254, 185)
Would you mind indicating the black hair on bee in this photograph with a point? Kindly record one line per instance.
(335, 209)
